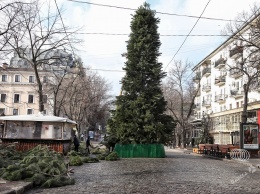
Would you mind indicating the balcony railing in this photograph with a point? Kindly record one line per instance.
(197, 77)
(206, 103)
(206, 71)
(220, 63)
(206, 87)
(197, 106)
(220, 80)
(235, 73)
(236, 52)
(237, 93)
(220, 98)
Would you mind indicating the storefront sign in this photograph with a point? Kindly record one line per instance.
(250, 136)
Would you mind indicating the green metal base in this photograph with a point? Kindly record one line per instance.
(140, 150)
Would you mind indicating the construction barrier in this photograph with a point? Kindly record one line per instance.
(140, 150)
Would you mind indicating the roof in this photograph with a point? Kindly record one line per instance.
(243, 27)
(39, 117)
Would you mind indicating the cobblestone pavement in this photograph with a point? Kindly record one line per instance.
(177, 173)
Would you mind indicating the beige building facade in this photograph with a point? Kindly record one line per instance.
(18, 93)
(220, 96)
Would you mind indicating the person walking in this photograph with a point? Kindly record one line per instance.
(76, 143)
(88, 144)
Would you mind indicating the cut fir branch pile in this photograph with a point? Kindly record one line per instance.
(43, 167)
(8, 155)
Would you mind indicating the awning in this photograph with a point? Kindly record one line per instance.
(39, 117)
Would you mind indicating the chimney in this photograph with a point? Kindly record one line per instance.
(4, 65)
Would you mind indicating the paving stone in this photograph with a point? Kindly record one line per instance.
(177, 173)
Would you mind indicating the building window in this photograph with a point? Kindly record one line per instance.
(15, 111)
(30, 98)
(16, 98)
(31, 79)
(237, 104)
(29, 111)
(4, 78)
(44, 79)
(196, 133)
(2, 111)
(230, 106)
(3, 97)
(17, 78)
(44, 98)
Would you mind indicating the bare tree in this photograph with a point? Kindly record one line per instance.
(180, 94)
(35, 35)
(85, 99)
(246, 51)
(8, 12)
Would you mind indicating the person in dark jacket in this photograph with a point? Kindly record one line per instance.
(88, 144)
(76, 143)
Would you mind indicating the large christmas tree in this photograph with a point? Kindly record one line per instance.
(140, 109)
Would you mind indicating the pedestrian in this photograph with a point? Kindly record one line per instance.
(82, 137)
(88, 144)
(76, 143)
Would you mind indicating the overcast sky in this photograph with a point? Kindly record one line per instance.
(103, 52)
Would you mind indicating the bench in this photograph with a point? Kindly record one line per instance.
(216, 150)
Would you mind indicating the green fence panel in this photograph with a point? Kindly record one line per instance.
(140, 150)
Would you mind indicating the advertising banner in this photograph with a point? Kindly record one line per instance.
(250, 136)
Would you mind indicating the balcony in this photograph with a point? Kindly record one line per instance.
(206, 103)
(197, 106)
(206, 87)
(206, 62)
(220, 63)
(197, 77)
(221, 80)
(237, 93)
(220, 98)
(235, 73)
(206, 71)
(236, 52)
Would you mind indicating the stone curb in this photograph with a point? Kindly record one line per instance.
(15, 187)
(223, 159)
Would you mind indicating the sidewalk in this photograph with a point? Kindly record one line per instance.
(19, 187)
(14, 187)
(253, 161)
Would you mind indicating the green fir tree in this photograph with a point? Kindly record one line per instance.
(140, 109)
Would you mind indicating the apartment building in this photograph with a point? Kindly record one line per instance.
(220, 96)
(18, 85)
(18, 91)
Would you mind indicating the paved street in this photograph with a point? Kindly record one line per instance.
(178, 173)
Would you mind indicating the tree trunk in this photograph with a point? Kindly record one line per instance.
(183, 138)
(244, 112)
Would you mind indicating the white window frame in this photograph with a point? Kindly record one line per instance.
(31, 79)
(30, 110)
(19, 78)
(17, 111)
(3, 110)
(6, 78)
(43, 98)
(29, 98)
(4, 98)
(18, 99)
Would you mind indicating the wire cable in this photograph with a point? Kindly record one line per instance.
(124, 34)
(188, 34)
(64, 29)
(163, 13)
